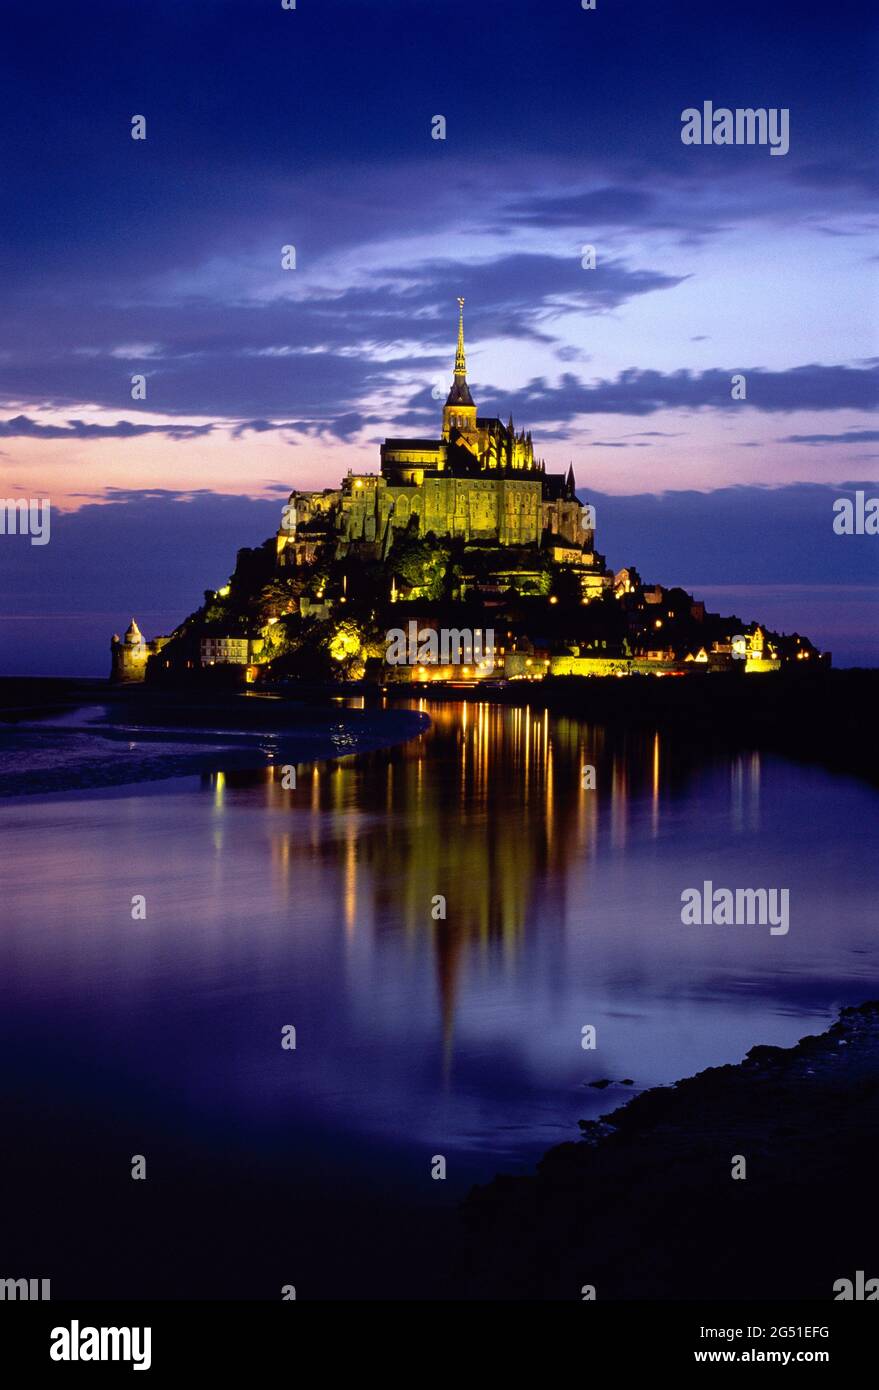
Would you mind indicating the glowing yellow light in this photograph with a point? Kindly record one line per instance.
(553, 599)
(343, 644)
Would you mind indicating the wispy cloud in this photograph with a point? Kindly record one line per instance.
(23, 427)
(848, 437)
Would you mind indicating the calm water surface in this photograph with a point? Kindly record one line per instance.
(415, 1037)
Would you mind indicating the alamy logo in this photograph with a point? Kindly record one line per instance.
(744, 126)
(75, 1343)
(446, 646)
(857, 1289)
(856, 516)
(24, 516)
(26, 1290)
(739, 907)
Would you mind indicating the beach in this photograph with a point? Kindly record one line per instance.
(60, 736)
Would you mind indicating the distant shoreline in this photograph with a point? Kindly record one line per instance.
(822, 717)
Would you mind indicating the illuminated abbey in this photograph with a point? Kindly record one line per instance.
(467, 523)
(479, 482)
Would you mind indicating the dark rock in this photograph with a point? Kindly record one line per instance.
(645, 1206)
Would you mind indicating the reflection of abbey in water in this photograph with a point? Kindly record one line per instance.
(508, 825)
(479, 482)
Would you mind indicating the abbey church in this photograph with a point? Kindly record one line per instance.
(480, 482)
(469, 518)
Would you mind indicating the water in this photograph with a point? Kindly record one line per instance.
(415, 1037)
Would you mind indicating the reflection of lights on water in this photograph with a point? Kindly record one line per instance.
(618, 803)
(754, 789)
(315, 807)
(350, 875)
(549, 791)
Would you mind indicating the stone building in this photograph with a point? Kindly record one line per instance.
(129, 654)
(221, 651)
(479, 482)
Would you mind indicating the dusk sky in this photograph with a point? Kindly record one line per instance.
(268, 127)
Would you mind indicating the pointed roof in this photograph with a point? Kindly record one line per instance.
(569, 481)
(460, 391)
(134, 633)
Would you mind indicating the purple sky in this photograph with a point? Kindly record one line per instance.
(312, 127)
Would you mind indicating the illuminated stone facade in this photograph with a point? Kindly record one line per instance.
(129, 654)
(479, 482)
(221, 651)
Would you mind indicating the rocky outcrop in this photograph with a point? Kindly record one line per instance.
(645, 1205)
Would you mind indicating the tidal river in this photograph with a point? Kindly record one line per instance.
(433, 926)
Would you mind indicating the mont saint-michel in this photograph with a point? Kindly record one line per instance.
(467, 533)
(456, 885)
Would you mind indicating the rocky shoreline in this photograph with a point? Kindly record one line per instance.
(645, 1205)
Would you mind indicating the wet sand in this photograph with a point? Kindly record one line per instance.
(60, 735)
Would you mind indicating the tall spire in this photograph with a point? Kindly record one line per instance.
(460, 360)
(459, 412)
